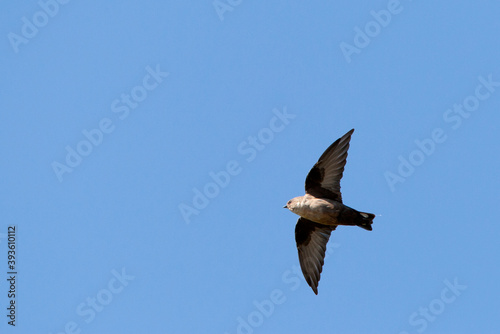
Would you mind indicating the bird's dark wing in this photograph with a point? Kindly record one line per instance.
(311, 241)
(323, 179)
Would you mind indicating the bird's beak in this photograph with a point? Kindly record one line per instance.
(284, 207)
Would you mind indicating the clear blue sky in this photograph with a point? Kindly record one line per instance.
(148, 149)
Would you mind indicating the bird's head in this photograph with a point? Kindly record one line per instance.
(292, 204)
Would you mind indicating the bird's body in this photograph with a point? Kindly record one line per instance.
(321, 210)
(325, 211)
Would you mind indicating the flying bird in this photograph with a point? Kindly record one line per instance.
(321, 210)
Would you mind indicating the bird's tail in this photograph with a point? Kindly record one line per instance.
(365, 220)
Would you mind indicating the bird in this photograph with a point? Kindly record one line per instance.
(321, 210)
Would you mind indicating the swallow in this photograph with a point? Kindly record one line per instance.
(321, 210)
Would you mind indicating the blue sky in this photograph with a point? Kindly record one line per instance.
(148, 149)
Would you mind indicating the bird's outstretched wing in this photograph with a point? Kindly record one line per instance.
(323, 179)
(311, 241)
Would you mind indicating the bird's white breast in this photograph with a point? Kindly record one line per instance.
(319, 210)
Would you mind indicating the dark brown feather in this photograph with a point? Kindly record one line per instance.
(311, 241)
(323, 180)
